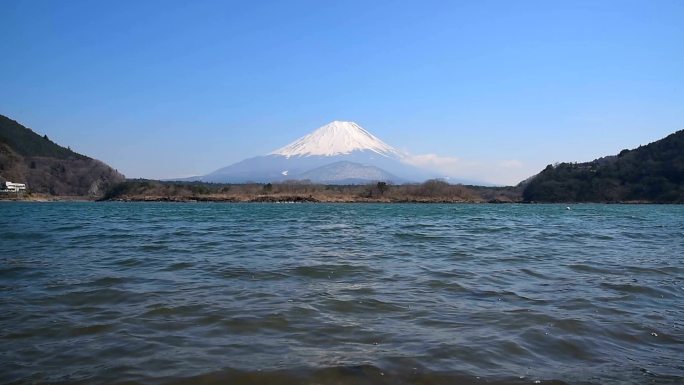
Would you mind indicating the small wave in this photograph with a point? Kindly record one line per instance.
(452, 287)
(23, 236)
(178, 266)
(13, 271)
(252, 274)
(67, 228)
(91, 329)
(108, 281)
(254, 324)
(417, 236)
(105, 296)
(182, 310)
(154, 247)
(533, 273)
(361, 306)
(633, 288)
(584, 268)
(129, 262)
(352, 375)
(328, 271)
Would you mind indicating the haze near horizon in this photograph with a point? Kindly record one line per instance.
(492, 90)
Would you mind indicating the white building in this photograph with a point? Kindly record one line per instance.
(13, 187)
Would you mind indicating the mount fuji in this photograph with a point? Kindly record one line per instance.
(336, 153)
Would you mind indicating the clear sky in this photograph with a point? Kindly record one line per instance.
(492, 90)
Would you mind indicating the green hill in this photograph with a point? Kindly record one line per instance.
(25, 142)
(650, 173)
(48, 168)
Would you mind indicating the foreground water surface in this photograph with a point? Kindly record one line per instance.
(157, 293)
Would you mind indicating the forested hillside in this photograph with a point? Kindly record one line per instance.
(48, 168)
(650, 173)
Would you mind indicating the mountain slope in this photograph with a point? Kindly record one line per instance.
(345, 172)
(651, 173)
(25, 142)
(332, 143)
(46, 167)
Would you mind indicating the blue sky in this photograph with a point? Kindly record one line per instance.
(493, 90)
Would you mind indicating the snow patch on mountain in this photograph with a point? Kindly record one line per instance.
(337, 138)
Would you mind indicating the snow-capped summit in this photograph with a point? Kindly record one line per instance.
(337, 138)
(339, 152)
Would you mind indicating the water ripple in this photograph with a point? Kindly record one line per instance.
(341, 294)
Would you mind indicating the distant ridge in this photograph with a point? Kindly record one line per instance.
(650, 173)
(47, 167)
(344, 172)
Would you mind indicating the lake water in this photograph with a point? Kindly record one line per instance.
(162, 293)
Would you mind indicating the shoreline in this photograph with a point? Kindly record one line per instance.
(41, 198)
(291, 199)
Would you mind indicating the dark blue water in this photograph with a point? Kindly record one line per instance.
(100, 293)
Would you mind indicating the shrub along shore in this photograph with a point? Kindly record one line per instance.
(432, 191)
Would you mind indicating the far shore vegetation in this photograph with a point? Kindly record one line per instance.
(302, 191)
